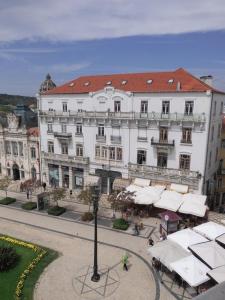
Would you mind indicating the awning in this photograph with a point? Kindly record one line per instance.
(133, 188)
(210, 252)
(148, 195)
(192, 270)
(170, 200)
(211, 230)
(217, 274)
(180, 188)
(92, 180)
(201, 199)
(172, 216)
(193, 208)
(221, 240)
(120, 183)
(167, 252)
(186, 238)
(141, 182)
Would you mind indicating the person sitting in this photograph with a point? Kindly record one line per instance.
(150, 242)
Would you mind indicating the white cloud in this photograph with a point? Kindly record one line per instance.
(72, 20)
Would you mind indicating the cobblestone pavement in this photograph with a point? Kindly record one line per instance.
(74, 242)
(217, 217)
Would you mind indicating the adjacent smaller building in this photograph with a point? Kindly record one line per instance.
(19, 144)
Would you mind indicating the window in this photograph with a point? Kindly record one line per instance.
(214, 111)
(79, 150)
(50, 147)
(21, 148)
(219, 130)
(14, 148)
(212, 133)
(64, 129)
(221, 107)
(7, 147)
(33, 152)
(144, 107)
(64, 147)
(112, 153)
(141, 157)
(79, 129)
(119, 153)
(189, 106)
(64, 105)
(162, 159)
(101, 130)
(186, 135)
(185, 161)
(210, 158)
(104, 152)
(97, 151)
(165, 107)
(117, 106)
(217, 153)
(8, 172)
(223, 144)
(163, 134)
(50, 127)
(22, 174)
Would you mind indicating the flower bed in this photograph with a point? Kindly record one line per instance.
(22, 278)
(56, 210)
(7, 200)
(120, 224)
(29, 205)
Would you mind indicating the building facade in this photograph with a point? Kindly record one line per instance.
(19, 145)
(161, 126)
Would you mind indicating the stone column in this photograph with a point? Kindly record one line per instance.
(60, 176)
(108, 185)
(70, 178)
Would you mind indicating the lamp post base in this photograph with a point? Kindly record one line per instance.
(95, 277)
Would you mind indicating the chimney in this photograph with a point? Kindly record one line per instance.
(178, 86)
(208, 79)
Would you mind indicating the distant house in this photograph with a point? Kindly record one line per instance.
(19, 144)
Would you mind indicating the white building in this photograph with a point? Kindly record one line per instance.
(19, 145)
(164, 126)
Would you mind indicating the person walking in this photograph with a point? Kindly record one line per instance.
(150, 242)
(125, 261)
(136, 229)
(28, 193)
(44, 186)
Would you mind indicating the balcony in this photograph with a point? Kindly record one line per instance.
(169, 175)
(176, 117)
(142, 139)
(56, 158)
(101, 138)
(186, 142)
(115, 139)
(162, 143)
(63, 135)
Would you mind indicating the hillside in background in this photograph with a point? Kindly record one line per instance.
(9, 102)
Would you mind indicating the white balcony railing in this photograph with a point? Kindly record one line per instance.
(65, 158)
(128, 115)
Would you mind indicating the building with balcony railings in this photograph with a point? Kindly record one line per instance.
(19, 145)
(164, 126)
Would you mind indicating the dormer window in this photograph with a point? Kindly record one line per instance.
(124, 82)
(109, 83)
(72, 84)
(170, 81)
(149, 81)
(87, 83)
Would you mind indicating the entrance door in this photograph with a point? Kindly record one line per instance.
(107, 176)
(16, 172)
(33, 173)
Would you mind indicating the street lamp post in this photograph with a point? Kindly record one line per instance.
(95, 277)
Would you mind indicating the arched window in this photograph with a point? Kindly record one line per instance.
(33, 173)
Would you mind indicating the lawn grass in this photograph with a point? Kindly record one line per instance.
(29, 205)
(9, 280)
(7, 200)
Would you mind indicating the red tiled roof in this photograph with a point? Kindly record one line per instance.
(34, 131)
(136, 82)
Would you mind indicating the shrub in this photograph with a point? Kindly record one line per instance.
(7, 200)
(29, 205)
(87, 216)
(120, 224)
(8, 258)
(56, 210)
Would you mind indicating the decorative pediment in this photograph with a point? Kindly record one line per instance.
(13, 121)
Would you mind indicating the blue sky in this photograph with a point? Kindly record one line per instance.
(74, 38)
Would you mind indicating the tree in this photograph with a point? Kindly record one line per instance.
(4, 184)
(57, 194)
(85, 196)
(119, 201)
